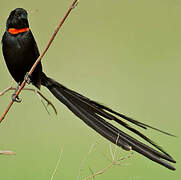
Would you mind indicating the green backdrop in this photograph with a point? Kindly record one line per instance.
(123, 53)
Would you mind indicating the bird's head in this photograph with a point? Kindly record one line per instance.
(17, 19)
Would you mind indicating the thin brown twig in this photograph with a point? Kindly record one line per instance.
(36, 92)
(99, 172)
(113, 163)
(110, 147)
(92, 172)
(116, 146)
(85, 159)
(6, 90)
(56, 167)
(7, 152)
(40, 57)
(48, 101)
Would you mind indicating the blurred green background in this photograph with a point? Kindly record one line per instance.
(125, 54)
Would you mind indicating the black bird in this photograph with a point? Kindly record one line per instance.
(20, 52)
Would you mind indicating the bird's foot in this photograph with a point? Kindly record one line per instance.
(27, 78)
(15, 98)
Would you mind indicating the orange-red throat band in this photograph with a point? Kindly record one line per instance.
(17, 31)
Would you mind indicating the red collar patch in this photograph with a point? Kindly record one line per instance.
(17, 31)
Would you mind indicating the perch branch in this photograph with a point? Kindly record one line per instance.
(6, 90)
(36, 92)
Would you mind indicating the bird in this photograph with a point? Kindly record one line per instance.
(20, 52)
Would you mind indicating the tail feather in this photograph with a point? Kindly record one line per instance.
(87, 105)
(94, 115)
(140, 124)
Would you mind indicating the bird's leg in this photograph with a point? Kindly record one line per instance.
(27, 78)
(14, 97)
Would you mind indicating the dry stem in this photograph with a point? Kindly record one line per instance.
(117, 162)
(7, 152)
(56, 167)
(36, 92)
(113, 162)
(85, 159)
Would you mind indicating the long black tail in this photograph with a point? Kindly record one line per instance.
(94, 115)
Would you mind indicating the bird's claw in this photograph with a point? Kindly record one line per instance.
(15, 98)
(27, 78)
